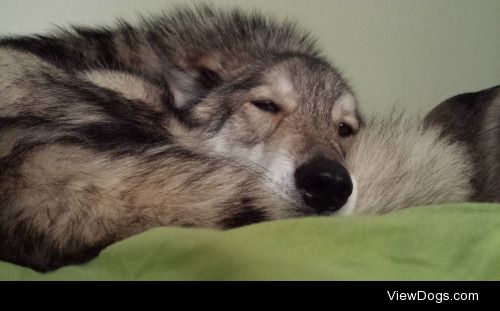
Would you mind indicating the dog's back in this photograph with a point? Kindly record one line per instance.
(474, 120)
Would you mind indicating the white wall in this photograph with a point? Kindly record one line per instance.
(411, 53)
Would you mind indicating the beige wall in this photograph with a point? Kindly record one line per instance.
(407, 53)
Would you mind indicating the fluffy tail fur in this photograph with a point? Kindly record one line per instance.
(398, 164)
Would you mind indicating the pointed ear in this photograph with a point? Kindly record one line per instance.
(189, 86)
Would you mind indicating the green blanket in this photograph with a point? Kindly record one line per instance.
(447, 242)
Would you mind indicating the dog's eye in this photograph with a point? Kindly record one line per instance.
(266, 105)
(345, 130)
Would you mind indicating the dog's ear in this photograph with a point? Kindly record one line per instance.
(189, 85)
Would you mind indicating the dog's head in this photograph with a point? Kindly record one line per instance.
(265, 99)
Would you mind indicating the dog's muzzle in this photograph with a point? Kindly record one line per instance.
(325, 184)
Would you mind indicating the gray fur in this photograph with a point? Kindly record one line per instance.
(108, 132)
(105, 133)
(473, 119)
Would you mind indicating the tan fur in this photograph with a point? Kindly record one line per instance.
(473, 119)
(8, 140)
(98, 196)
(130, 86)
(22, 88)
(345, 111)
(396, 163)
(110, 132)
(14, 64)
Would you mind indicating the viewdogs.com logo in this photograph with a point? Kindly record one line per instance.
(436, 297)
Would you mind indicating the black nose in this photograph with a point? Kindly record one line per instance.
(325, 184)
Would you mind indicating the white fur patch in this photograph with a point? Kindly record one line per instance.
(218, 144)
(284, 85)
(280, 170)
(277, 166)
(255, 153)
(344, 110)
(347, 103)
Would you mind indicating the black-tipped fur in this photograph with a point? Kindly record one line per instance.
(99, 138)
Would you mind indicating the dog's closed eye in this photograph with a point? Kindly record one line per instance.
(266, 105)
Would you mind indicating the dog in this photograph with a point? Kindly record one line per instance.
(388, 169)
(473, 120)
(197, 118)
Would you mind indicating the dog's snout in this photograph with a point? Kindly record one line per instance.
(325, 184)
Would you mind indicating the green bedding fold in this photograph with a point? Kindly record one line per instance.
(446, 242)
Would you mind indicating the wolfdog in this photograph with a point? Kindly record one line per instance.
(198, 118)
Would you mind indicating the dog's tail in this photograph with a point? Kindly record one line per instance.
(397, 163)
